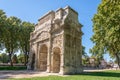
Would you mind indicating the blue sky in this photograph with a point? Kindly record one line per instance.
(32, 10)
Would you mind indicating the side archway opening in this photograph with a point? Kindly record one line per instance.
(43, 58)
(56, 60)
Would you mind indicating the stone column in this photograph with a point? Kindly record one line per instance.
(51, 69)
(49, 54)
(36, 56)
(62, 55)
(30, 58)
(62, 64)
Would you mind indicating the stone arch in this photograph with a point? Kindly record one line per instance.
(56, 60)
(43, 57)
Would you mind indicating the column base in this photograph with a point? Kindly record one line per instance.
(48, 70)
(61, 72)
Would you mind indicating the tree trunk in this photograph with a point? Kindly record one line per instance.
(10, 55)
(118, 59)
(25, 57)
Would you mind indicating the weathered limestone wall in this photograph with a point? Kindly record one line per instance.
(72, 51)
(41, 36)
(56, 43)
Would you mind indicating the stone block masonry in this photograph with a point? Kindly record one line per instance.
(55, 44)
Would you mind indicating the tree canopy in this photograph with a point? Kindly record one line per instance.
(14, 34)
(106, 28)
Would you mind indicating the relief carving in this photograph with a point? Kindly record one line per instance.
(43, 35)
(55, 27)
(57, 40)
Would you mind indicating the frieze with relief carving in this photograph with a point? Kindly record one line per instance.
(57, 41)
(43, 35)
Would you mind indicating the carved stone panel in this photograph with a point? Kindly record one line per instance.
(57, 41)
(43, 35)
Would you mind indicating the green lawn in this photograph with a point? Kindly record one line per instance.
(13, 68)
(104, 75)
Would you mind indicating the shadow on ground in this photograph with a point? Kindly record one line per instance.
(102, 74)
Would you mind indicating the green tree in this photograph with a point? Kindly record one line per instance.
(2, 22)
(21, 58)
(24, 37)
(84, 54)
(2, 25)
(10, 37)
(14, 35)
(85, 61)
(85, 57)
(14, 59)
(4, 58)
(106, 28)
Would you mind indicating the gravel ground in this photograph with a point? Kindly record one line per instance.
(23, 74)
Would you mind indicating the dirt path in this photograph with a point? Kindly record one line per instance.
(23, 74)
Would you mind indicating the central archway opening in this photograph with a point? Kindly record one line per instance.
(43, 58)
(56, 60)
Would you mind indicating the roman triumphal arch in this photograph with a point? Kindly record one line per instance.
(55, 44)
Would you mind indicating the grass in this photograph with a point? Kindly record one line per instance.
(13, 68)
(104, 75)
